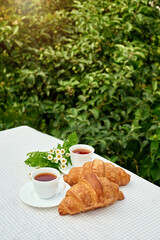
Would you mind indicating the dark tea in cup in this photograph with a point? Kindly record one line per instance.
(44, 177)
(81, 151)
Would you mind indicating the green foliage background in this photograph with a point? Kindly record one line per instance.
(89, 66)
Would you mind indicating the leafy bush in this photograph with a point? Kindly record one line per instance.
(90, 67)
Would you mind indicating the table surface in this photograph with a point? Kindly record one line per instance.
(136, 217)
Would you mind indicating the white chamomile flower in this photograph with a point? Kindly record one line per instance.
(51, 151)
(58, 156)
(55, 160)
(67, 154)
(63, 160)
(57, 151)
(63, 166)
(62, 151)
(50, 157)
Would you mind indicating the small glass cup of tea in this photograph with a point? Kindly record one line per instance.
(46, 182)
(80, 154)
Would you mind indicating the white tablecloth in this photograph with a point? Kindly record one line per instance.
(136, 217)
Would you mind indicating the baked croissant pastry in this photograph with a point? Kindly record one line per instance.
(89, 193)
(101, 169)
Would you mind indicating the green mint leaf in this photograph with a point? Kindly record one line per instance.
(71, 140)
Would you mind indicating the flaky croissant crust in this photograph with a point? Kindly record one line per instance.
(101, 169)
(89, 193)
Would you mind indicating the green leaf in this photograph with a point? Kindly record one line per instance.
(155, 173)
(82, 98)
(72, 139)
(140, 54)
(114, 159)
(140, 17)
(154, 85)
(37, 159)
(19, 43)
(16, 30)
(73, 112)
(154, 146)
(95, 112)
(128, 27)
(143, 145)
(107, 123)
(144, 9)
(124, 141)
(115, 116)
(8, 44)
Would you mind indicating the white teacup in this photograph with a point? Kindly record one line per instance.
(48, 188)
(78, 159)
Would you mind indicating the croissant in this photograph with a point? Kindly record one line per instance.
(89, 193)
(101, 169)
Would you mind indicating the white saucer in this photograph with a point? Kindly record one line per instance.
(29, 196)
(67, 169)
